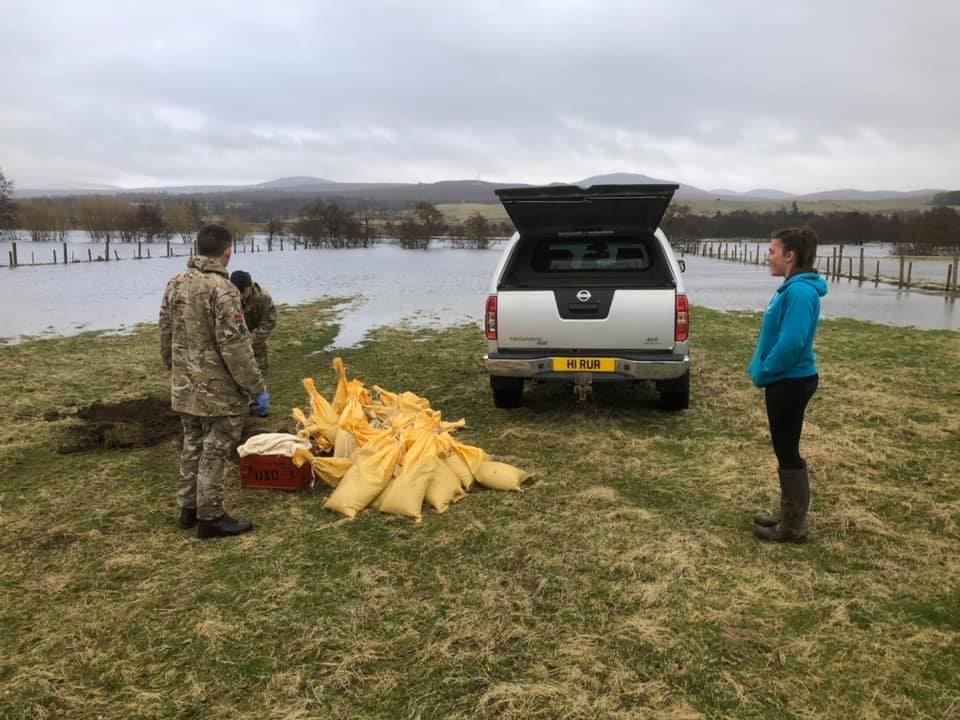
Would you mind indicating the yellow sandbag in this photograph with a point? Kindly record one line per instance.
(404, 495)
(379, 441)
(358, 391)
(362, 431)
(321, 412)
(345, 445)
(453, 460)
(301, 456)
(408, 402)
(306, 428)
(444, 488)
(340, 395)
(471, 455)
(448, 426)
(352, 413)
(387, 398)
(365, 480)
(427, 420)
(460, 469)
(500, 476)
(330, 470)
(321, 426)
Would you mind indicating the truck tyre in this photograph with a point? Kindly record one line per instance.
(675, 394)
(507, 392)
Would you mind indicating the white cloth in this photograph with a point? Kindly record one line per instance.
(273, 444)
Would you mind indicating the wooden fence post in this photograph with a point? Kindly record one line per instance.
(14, 261)
(89, 255)
(946, 287)
(956, 260)
(909, 274)
(876, 278)
(861, 264)
(106, 255)
(900, 276)
(64, 253)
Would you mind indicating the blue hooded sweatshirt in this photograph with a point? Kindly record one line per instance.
(785, 346)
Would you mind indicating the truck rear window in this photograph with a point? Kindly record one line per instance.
(591, 255)
(559, 260)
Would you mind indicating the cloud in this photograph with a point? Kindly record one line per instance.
(739, 94)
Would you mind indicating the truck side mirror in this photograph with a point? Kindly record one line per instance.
(683, 265)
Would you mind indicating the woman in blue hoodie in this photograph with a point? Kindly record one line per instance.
(784, 365)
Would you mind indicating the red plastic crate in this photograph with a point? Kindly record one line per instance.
(274, 472)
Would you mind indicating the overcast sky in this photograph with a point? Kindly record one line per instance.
(737, 94)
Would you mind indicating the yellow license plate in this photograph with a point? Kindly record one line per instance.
(598, 365)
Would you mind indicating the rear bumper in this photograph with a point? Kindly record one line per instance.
(661, 367)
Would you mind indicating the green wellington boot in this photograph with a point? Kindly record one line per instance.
(792, 524)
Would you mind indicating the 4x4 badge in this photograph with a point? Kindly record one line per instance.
(584, 295)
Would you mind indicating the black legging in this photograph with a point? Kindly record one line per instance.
(786, 402)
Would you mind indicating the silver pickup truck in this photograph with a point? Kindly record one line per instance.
(588, 290)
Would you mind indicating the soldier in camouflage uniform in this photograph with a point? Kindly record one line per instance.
(206, 346)
(258, 312)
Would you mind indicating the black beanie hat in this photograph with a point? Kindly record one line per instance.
(241, 279)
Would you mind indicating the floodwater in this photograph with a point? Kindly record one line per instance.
(440, 286)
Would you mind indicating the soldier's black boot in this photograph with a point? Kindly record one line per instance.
(795, 490)
(188, 518)
(223, 526)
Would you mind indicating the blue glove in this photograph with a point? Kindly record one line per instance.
(262, 405)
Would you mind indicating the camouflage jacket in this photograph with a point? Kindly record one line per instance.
(260, 315)
(205, 343)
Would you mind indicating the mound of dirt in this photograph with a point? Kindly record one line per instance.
(143, 422)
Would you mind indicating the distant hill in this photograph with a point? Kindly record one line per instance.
(453, 191)
(767, 194)
(294, 182)
(853, 194)
(64, 189)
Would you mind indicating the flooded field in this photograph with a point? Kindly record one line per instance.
(438, 286)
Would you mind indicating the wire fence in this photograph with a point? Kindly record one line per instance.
(921, 272)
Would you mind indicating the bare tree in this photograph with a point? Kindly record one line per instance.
(181, 219)
(8, 209)
(431, 219)
(477, 229)
(45, 220)
(240, 229)
(104, 218)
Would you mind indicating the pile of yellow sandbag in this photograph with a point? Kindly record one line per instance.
(391, 451)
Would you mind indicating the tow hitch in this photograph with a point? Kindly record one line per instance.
(583, 386)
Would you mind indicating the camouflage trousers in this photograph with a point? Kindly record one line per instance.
(260, 355)
(208, 443)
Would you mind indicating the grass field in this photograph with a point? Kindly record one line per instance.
(709, 207)
(623, 583)
(456, 212)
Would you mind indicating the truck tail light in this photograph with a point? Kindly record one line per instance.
(490, 318)
(682, 319)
